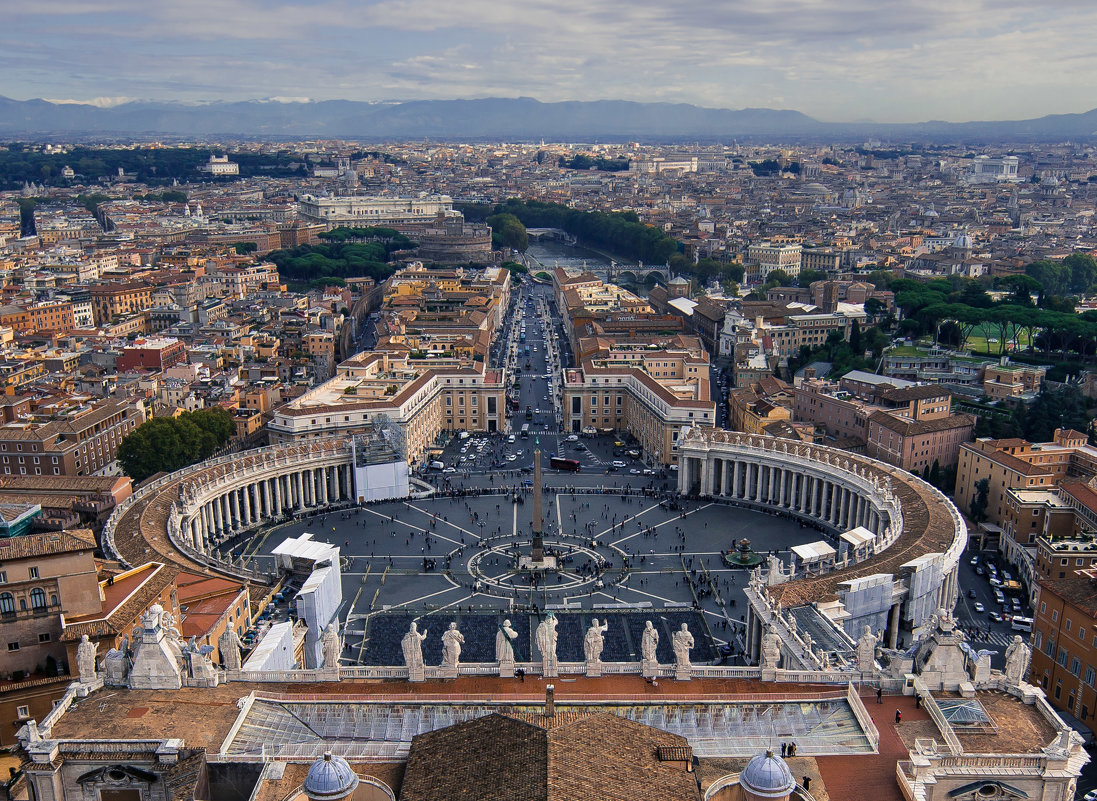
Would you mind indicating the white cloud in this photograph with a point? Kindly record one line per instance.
(835, 59)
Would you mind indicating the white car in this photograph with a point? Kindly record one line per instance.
(635, 471)
(618, 463)
(511, 458)
(450, 470)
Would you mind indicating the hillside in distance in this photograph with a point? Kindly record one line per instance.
(513, 119)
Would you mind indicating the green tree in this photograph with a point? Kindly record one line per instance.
(855, 337)
(978, 508)
(508, 231)
(806, 277)
(165, 444)
(1083, 271)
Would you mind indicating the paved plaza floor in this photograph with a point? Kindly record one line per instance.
(441, 558)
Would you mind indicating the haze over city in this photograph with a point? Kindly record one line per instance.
(837, 61)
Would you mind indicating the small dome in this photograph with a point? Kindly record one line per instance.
(767, 776)
(330, 778)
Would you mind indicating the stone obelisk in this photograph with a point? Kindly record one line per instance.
(538, 555)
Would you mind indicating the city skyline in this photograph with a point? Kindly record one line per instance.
(850, 61)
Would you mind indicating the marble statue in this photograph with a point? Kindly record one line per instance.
(229, 646)
(648, 642)
(866, 651)
(412, 646)
(594, 641)
(545, 638)
(771, 649)
(683, 643)
(85, 659)
(504, 648)
(330, 647)
(452, 640)
(1017, 656)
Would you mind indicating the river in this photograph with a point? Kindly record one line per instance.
(551, 255)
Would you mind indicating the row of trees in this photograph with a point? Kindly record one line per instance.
(153, 166)
(584, 162)
(341, 258)
(621, 233)
(164, 444)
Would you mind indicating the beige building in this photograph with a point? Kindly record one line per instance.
(650, 391)
(423, 397)
(1019, 464)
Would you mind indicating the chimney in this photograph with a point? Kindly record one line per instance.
(550, 700)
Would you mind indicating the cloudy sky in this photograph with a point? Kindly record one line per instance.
(836, 60)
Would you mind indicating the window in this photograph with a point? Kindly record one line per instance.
(44, 637)
(1062, 658)
(22, 712)
(1091, 675)
(38, 598)
(13, 646)
(1075, 666)
(7, 603)
(34, 572)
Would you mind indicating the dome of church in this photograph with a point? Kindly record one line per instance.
(815, 189)
(330, 778)
(767, 776)
(1050, 180)
(963, 241)
(678, 281)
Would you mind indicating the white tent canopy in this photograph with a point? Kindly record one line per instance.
(858, 537)
(814, 551)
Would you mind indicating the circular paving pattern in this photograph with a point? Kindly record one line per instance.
(581, 568)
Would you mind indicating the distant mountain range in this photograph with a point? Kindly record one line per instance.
(517, 119)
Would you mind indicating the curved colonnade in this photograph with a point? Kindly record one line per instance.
(896, 582)
(180, 517)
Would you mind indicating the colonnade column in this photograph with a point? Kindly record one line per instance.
(735, 480)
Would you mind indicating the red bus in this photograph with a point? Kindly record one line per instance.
(559, 463)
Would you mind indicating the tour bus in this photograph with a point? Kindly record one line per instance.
(559, 463)
(525, 431)
(1021, 623)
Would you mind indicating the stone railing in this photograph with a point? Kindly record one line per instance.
(376, 672)
(863, 717)
(59, 709)
(929, 703)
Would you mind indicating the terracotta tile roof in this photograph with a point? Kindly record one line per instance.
(46, 544)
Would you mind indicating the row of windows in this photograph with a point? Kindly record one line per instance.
(37, 601)
(43, 637)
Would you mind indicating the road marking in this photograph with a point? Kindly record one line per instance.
(514, 530)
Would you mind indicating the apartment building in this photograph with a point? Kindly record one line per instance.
(42, 578)
(911, 427)
(119, 300)
(1019, 464)
(1064, 635)
(770, 256)
(79, 442)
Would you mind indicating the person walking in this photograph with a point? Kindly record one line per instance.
(879, 695)
(898, 716)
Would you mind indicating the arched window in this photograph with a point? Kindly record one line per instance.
(38, 598)
(7, 603)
